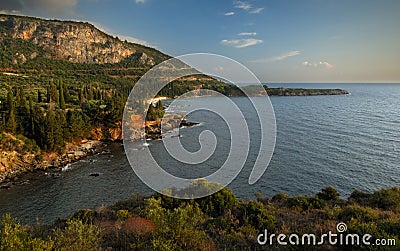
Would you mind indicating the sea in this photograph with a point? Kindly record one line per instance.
(348, 142)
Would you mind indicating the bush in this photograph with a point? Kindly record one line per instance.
(122, 215)
(176, 229)
(77, 236)
(388, 199)
(216, 204)
(13, 236)
(361, 214)
(304, 203)
(85, 215)
(280, 197)
(255, 214)
(328, 194)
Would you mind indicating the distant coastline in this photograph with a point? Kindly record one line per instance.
(282, 91)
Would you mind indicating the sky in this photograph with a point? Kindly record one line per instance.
(281, 41)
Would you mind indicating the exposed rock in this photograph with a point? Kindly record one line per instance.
(73, 41)
(107, 133)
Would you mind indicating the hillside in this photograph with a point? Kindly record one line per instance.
(27, 38)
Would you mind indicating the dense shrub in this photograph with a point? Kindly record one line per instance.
(14, 236)
(328, 194)
(304, 203)
(77, 236)
(255, 214)
(362, 214)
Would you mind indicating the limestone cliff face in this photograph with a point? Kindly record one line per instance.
(73, 41)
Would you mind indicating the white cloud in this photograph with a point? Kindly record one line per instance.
(242, 5)
(140, 1)
(121, 37)
(286, 55)
(277, 58)
(53, 7)
(241, 43)
(247, 7)
(247, 34)
(326, 65)
(11, 12)
(308, 64)
(323, 64)
(134, 40)
(257, 11)
(231, 13)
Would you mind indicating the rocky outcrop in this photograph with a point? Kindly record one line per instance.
(72, 41)
(104, 133)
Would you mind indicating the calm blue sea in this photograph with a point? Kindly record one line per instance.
(348, 142)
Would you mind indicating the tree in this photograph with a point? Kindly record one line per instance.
(31, 130)
(62, 98)
(328, 193)
(13, 236)
(53, 93)
(78, 124)
(39, 98)
(67, 95)
(49, 142)
(77, 236)
(48, 96)
(11, 124)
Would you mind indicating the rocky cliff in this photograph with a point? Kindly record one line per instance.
(75, 42)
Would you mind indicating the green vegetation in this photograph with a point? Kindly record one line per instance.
(217, 222)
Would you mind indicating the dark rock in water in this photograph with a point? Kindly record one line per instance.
(188, 123)
(94, 174)
(5, 187)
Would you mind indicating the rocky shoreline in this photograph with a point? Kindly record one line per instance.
(153, 131)
(51, 162)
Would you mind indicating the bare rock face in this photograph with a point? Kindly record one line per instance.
(73, 41)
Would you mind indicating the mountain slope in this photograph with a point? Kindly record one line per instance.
(24, 39)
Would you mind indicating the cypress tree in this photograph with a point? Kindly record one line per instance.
(49, 142)
(11, 124)
(39, 97)
(53, 94)
(67, 96)
(31, 118)
(62, 99)
(48, 94)
(81, 97)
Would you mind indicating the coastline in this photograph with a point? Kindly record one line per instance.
(54, 162)
(15, 165)
(282, 91)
